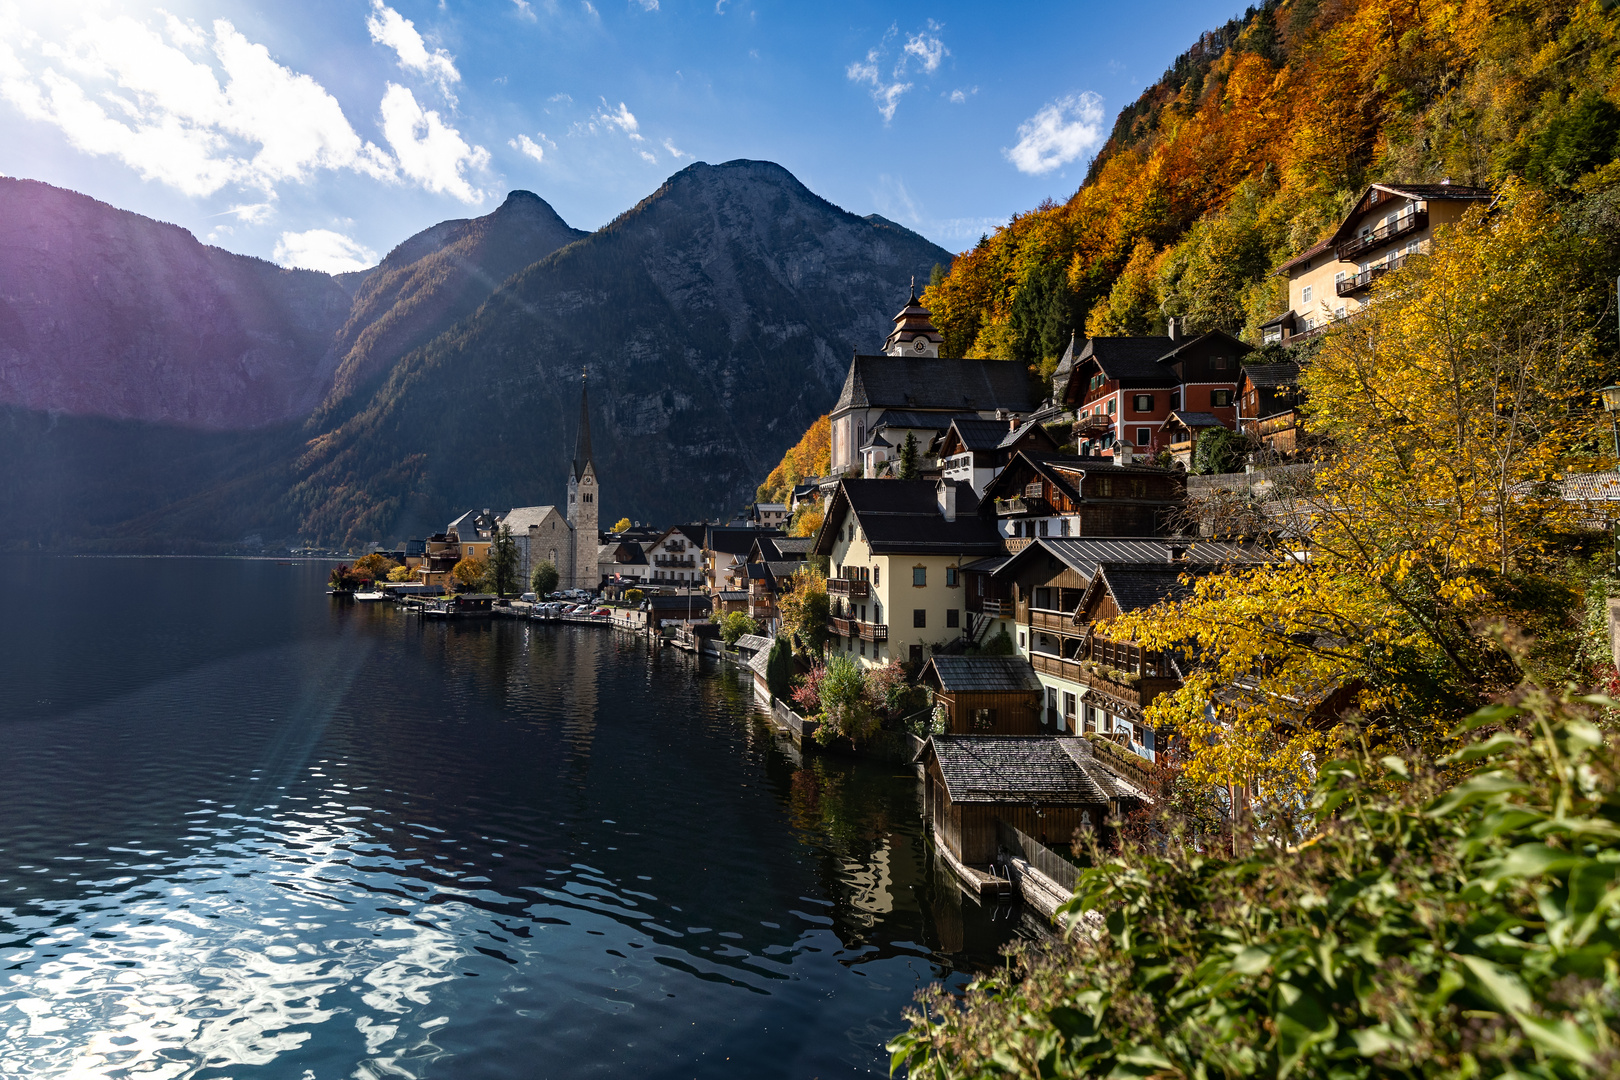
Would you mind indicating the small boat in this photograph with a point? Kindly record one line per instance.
(371, 596)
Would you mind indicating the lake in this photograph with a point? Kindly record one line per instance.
(250, 831)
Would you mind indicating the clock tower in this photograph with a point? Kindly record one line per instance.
(914, 333)
(583, 504)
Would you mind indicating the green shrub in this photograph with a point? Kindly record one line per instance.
(734, 624)
(1438, 924)
(845, 707)
(779, 669)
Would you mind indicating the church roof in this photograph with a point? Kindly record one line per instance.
(520, 518)
(934, 383)
(914, 321)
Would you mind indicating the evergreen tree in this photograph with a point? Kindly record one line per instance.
(503, 562)
(908, 458)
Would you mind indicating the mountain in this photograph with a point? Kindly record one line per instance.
(110, 314)
(436, 278)
(715, 320)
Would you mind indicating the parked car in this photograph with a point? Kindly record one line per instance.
(603, 611)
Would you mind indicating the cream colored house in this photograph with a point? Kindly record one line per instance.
(896, 549)
(1390, 222)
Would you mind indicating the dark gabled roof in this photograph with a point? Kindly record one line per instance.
(734, 540)
(1272, 376)
(677, 603)
(902, 517)
(782, 547)
(1213, 337)
(1277, 320)
(1106, 774)
(1012, 770)
(754, 642)
(1134, 361)
(629, 553)
(1085, 555)
(988, 565)
(926, 421)
(1060, 469)
(785, 568)
(1136, 585)
(1309, 253)
(977, 434)
(1193, 420)
(932, 384)
(1447, 192)
(983, 674)
(1012, 438)
(732, 595)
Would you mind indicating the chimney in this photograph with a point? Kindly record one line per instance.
(945, 497)
(1013, 421)
(1122, 453)
(1175, 329)
(1176, 552)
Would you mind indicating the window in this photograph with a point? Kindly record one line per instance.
(1043, 598)
(1105, 486)
(1143, 403)
(919, 576)
(919, 618)
(1069, 705)
(877, 576)
(1305, 295)
(1144, 436)
(1338, 312)
(1217, 363)
(1020, 639)
(984, 719)
(953, 618)
(1220, 399)
(950, 577)
(1338, 279)
(1110, 406)
(1175, 399)
(1044, 524)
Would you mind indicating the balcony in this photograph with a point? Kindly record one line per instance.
(855, 590)
(873, 631)
(996, 609)
(1059, 622)
(674, 560)
(1404, 225)
(854, 628)
(1137, 695)
(1022, 504)
(1093, 426)
(841, 627)
(1364, 280)
(1271, 425)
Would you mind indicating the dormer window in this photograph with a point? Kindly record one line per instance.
(1218, 363)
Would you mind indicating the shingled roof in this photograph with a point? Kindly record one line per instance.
(1134, 361)
(1272, 376)
(983, 674)
(1013, 770)
(1137, 585)
(902, 517)
(932, 384)
(1085, 555)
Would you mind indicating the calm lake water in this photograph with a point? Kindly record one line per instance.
(246, 831)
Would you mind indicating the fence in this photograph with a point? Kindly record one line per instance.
(1038, 855)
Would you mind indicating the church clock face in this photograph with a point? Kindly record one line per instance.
(920, 345)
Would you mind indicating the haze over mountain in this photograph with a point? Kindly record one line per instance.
(155, 392)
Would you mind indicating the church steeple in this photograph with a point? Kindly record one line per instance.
(582, 441)
(914, 333)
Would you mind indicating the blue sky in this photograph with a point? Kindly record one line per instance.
(323, 133)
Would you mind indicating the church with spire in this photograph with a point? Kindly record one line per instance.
(566, 537)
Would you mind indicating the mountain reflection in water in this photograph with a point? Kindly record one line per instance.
(245, 831)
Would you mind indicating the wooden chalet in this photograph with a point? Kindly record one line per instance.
(1073, 496)
(976, 450)
(1268, 406)
(1181, 433)
(986, 695)
(772, 562)
(1048, 787)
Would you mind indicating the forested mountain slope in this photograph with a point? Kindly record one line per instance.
(1257, 139)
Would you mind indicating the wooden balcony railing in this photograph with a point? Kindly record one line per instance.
(996, 609)
(1055, 621)
(858, 590)
(1286, 421)
(1394, 230)
(852, 628)
(1364, 280)
(873, 631)
(840, 627)
(1022, 504)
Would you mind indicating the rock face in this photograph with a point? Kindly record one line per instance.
(107, 313)
(716, 320)
(437, 277)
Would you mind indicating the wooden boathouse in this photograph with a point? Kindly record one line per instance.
(986, 695)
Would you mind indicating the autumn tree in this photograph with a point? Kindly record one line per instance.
(805, 609)
(471, 573)
(810, 456)
(623, 525)
(375, 566)
(1452, 405)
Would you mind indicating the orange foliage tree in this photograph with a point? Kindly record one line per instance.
(811, 456)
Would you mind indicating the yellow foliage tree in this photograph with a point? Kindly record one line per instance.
(810, 456)
(1452, 405)
(622, 525)
(471, 572)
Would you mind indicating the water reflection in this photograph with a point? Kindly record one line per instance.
(377, 847)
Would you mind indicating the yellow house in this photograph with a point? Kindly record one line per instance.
(895, 550)
(1330, 280)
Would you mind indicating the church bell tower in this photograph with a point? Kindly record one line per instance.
(583, 503)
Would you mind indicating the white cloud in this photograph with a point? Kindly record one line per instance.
(1058, 133)
(957, 97)
(525, 145)
(115, 87)
(621, 118)
(645, 156)
(323, 249)
(887, 94)
(252, 213)
(669, 144)
(524, 10)
(719, 7)
(388, 27)
(648, 5)
(429, 151)
(590, 8)
(929, 50)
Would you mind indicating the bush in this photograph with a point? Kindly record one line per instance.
(1218, 451)
(543, 578)
(633, 597)
(734, 624)
(779, 669)
(999, 645)
(471, 573)
(401, 573)
(344, 579)
(376, 566)
(1427, 929)
(846, 710)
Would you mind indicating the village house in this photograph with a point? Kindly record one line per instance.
(772, 562)
(975, 450)
(1390, 223)
(1269, 406)
(1180, 434)
(1124, 389)
(1060, 593)
(769, 515)
(896, 548)
(675, 558)
(912, 390)
(1076, 496)
(986, 695)
(725, 561)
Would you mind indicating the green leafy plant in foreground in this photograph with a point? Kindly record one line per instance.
(1428, 929)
